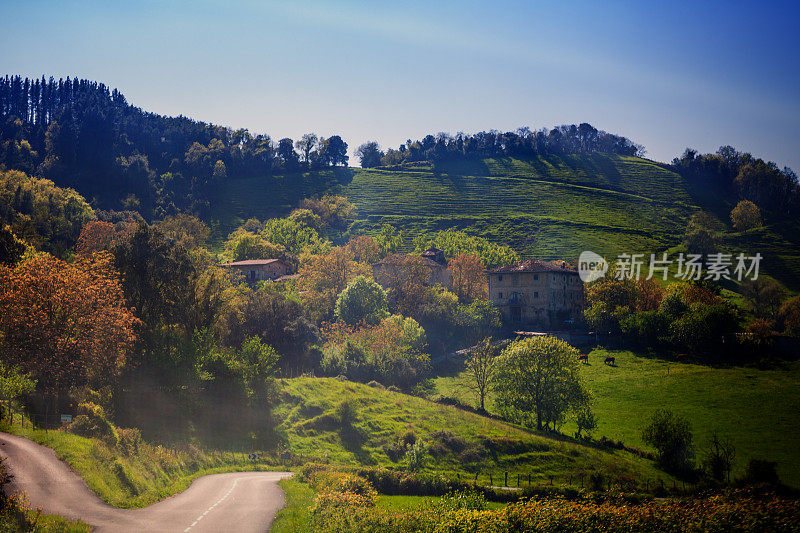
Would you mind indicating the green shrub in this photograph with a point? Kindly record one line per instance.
(671, 435)
(130, 441)
(760, 472)
(597, 481)
(346, 413)
(415, 456)
(468, 500)
(92, 422)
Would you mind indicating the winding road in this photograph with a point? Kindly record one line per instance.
(238, 501)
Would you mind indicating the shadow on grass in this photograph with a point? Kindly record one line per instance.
(353, 439)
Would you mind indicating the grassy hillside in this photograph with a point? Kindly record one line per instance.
(547, 207)
(311, 427)
(632, 175)
(552, 206)
(759, 410)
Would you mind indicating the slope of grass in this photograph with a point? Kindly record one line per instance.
(16, 520)
(550, 207)
(759, 410)
(132, 480)
(294, 517)
(547, 207)
(608, 171)
(311, 428)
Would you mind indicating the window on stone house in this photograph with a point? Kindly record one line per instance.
(536, 277)
(500, 278)
(536, 294)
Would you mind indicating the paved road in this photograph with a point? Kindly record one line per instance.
(239, 501)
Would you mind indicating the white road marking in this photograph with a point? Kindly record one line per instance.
(235, 481)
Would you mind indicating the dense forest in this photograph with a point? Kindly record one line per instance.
(82, 134)
(776, 191)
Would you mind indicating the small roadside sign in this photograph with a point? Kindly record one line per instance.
(66, 419)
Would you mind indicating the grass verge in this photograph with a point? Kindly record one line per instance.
(294, 517)
(134, 478)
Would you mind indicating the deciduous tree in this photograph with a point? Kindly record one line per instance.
(323, 277)
(370, 154)
(480, 363)
(362, 301)
(746, 215)
(671, 436)
(65, 323)
(404, 277)
(539, 377)
(469, 277)
(364, 249)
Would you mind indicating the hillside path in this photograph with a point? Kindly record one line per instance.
(237, 501)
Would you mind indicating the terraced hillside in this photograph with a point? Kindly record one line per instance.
(311, 424)
(552, 206)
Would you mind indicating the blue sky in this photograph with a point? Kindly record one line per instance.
(666, 74)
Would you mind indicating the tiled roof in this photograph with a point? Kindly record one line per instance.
(535, 265)
(252, 262)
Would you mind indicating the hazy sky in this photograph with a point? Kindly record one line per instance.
(668, 76)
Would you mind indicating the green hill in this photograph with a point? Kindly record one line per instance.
(549, 206)
(756, 409)
(309, 422)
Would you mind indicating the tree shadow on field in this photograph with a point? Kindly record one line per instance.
(343, 175)
(353, 439)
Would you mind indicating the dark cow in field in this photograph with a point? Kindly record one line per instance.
(609, 360)
(584, 357)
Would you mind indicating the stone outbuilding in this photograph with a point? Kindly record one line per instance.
(255, 270)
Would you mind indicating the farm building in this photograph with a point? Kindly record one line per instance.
(544, 294)
(259, 269)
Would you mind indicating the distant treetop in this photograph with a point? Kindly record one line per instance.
(571, 139)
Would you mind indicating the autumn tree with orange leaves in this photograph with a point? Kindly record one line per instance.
(100, 235)
(66, 324)
(364, 249)
(405, 278)
(324, 276)
(469, 277)
(96, 235)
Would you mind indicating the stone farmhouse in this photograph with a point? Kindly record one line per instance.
(255, 270)
(432, 258)
(541, 294)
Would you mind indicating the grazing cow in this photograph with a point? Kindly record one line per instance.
(584, 357)
(609, 360)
